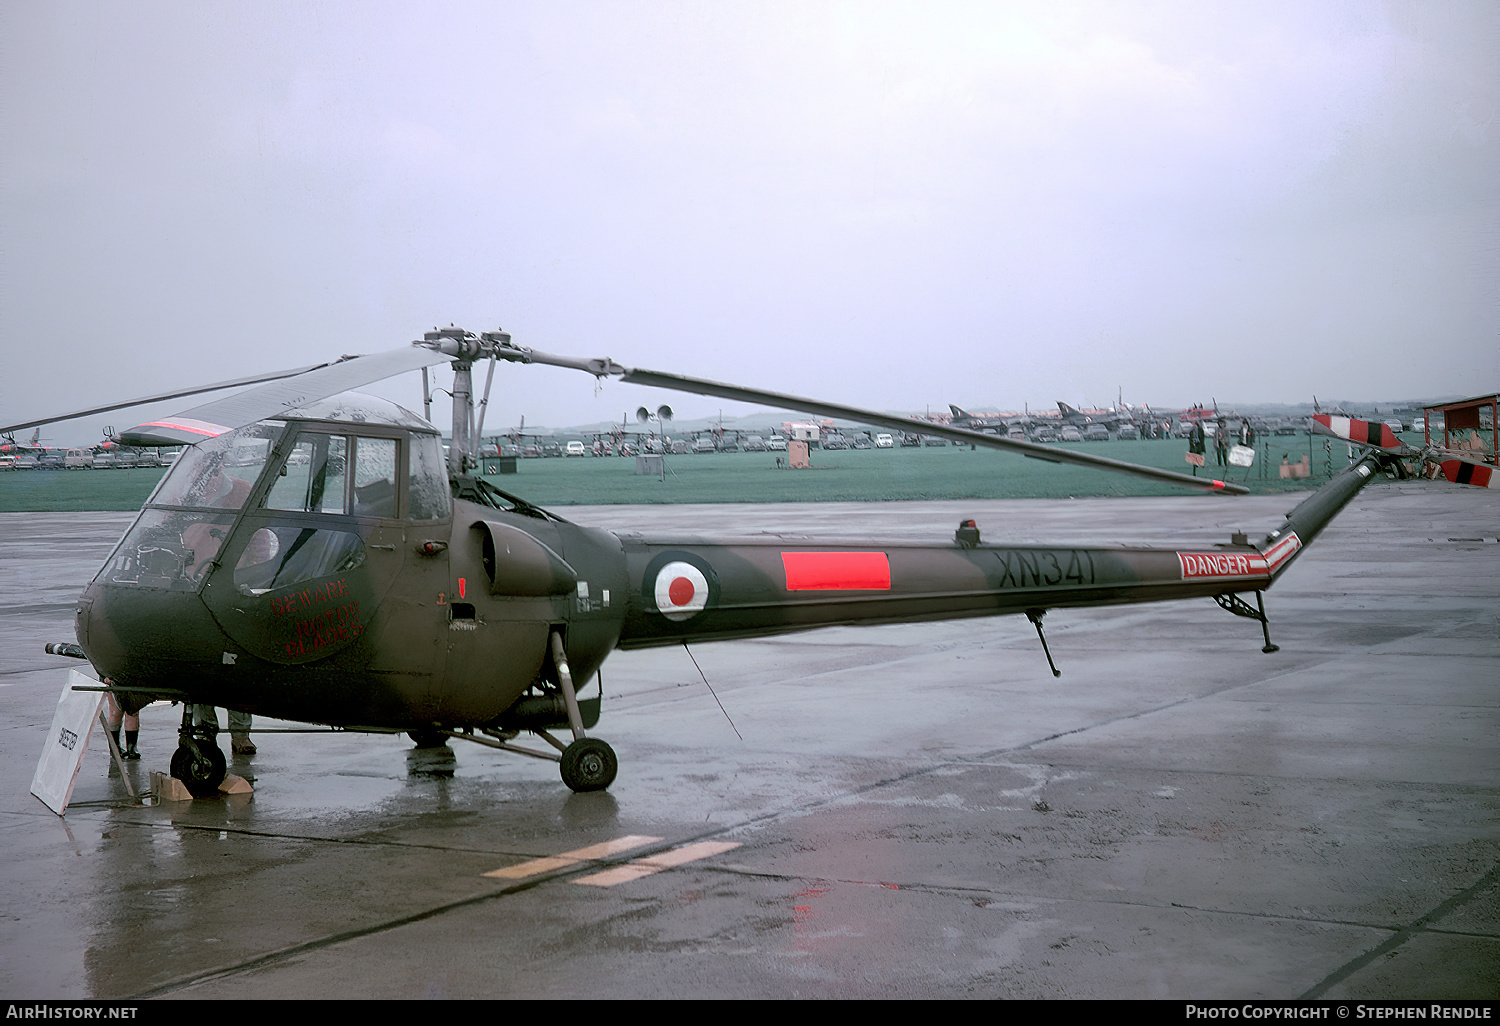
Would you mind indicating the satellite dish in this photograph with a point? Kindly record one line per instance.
(642, 415)
(664, 412)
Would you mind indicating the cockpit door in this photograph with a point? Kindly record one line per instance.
(312, 557)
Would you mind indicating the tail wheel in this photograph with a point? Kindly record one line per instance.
(201, 766)
(589, 764)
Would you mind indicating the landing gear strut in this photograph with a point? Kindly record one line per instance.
(1035, 616)
(1239, 607)
(587, 764)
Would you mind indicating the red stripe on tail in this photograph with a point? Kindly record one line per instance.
(837, 571)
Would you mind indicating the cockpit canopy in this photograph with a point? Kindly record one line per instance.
(296, 492)
(341, 455)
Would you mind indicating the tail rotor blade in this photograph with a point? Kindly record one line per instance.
(1464, 472)
(1361, 432)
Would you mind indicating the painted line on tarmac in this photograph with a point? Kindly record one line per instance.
(603, 850)
(656, 863)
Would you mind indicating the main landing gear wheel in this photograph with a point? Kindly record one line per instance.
(589, 764)
(201, 767)
(428, 738)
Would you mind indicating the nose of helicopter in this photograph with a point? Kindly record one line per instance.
(95, 636)
(143, 636)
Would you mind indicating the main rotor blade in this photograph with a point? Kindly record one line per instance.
(277, 398)
(254, 379)
(699, 386)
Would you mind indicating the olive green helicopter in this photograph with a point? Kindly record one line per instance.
(313, 556)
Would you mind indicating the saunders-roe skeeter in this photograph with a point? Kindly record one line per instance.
(313, 557)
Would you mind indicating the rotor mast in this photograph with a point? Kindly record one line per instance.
(466, 347)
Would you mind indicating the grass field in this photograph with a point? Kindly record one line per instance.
(854, 475)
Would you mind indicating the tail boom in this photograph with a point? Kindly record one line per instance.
(694, 589)
(701, 591)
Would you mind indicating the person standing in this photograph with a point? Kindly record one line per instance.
(131, 721)
(239, 727)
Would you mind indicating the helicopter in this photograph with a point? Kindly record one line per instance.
(312, 556)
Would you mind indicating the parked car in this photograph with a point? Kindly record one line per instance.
(776, 443)
(1096, 433)
(884, 441)
(575, 448)
(1071, 434)
(704, 444)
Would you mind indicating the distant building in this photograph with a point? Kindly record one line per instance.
(802, 431)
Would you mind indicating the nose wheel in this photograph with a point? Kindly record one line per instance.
(199, 764)
(199, 761)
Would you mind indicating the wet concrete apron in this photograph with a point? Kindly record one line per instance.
(912, 810)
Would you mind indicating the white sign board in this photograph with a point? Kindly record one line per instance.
(72, 723)
(1241, 456)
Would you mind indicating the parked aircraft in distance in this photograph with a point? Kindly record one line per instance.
(979, 421)
(1080, 418)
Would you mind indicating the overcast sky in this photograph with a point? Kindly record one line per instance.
(889, 205)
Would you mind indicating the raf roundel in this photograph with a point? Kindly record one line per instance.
(681, 591)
